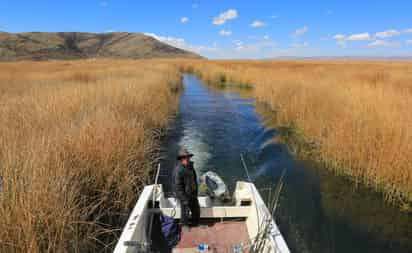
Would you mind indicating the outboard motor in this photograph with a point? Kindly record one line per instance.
(215, 187)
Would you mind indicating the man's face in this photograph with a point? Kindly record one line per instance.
(185, 160)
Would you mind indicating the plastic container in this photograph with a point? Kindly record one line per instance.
(202, 247)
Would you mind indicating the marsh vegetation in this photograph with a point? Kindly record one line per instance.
(77, 142)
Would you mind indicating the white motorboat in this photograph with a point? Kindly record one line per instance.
(244, 225)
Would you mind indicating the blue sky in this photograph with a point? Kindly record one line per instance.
(233, 29)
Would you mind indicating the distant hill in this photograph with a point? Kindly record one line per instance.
(76, 45)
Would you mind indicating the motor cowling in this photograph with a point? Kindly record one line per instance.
(215, 186)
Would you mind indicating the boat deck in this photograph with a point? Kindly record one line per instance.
(221, 237)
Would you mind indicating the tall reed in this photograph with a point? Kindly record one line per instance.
(78, 140)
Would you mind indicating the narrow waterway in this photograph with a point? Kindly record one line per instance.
(319, 212)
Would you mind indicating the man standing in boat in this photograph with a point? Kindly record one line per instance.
(185, 185)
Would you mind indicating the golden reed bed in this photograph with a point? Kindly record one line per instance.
(76, 143)
(358, 114)
(77, 138)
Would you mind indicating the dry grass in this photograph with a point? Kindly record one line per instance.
(76, 141)
(357, 113)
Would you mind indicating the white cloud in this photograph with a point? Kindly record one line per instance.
(301, 31)
(266, 37)
(178, 42)
(257, 24)
(359, 37)
(184, 19)
(387, 34)
(339, 37)
(408, 42)
(340, 40)
(408, 30)
(225, 33)
(224, 16)
(253, 48)
(238, 44)
(260, 48)
(182, 44)
(382, 43)
(104, 4)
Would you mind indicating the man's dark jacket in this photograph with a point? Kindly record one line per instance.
(185, 182)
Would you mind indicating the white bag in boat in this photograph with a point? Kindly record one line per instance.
(216, 188)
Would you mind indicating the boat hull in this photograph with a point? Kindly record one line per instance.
(248, 206)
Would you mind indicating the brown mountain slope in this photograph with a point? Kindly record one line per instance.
(73, 45)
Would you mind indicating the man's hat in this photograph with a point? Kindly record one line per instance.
(184, 153)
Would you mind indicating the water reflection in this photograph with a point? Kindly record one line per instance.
(319, 212)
